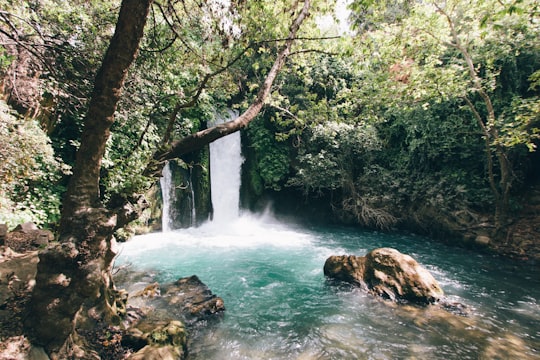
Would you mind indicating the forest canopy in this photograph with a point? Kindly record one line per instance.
(440, 96)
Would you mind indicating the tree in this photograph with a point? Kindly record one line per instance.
(456, 52)
(74, 286)
(481, 81)
(197, 140)
(73, 279)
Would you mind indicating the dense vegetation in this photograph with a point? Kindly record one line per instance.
(428, 118)
(420, 115)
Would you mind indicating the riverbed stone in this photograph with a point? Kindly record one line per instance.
(482, 240)
(387, 273)
(157, 339)
(194, 298)
(150, 352)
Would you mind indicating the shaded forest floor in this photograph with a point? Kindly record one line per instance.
(15, 291)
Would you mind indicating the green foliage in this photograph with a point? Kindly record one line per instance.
(332, 155)
(379, 118)
(29, 172)
(523, 124)
(61, 46)
(404, 76)
(271, 156)
(420, 64)
(371, 14)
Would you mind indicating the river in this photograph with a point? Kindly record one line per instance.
(280, 306)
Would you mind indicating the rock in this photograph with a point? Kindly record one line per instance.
(37, 353)
(27, 236)
(195, 299)
(26, 227)
(134, 339)
(158, 340)
(482, 240)
(508, 346)
(348, 268)
(3, 233)
(157, 353)
(188, 299)
(387, 273)
(151, 291)
(392, 274)
(156, 315)
(18, 272)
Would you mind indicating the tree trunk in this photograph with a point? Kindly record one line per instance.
(73, 284)
(500, 190)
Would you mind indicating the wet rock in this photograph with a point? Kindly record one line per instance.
(508, 346)
(156, 315)
(195, 299)
(157, 353)
(151, 291)
(164, 340)
(482, 240)
(348, 268)
(387, 273)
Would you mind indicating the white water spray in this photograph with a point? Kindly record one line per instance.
(225, 168)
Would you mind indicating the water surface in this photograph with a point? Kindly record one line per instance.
(279, 305)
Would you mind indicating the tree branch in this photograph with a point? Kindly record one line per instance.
(201, 138)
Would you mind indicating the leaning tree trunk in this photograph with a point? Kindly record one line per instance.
(73, 284)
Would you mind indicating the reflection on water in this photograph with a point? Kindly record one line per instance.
(280, 307)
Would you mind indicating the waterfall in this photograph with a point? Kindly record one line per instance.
(225, 168)
(167, 192)
(192, 194)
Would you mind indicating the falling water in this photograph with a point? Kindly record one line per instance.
(225, 166)
(167, 192)
(192, 194)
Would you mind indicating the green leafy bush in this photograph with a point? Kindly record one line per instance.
(30, 175)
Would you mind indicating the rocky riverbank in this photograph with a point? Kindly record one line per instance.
(156, 324)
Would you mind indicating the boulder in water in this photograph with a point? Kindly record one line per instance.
(162, 340)
(387, 273)
(155, 318)
(195, 298)
(347, 268)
